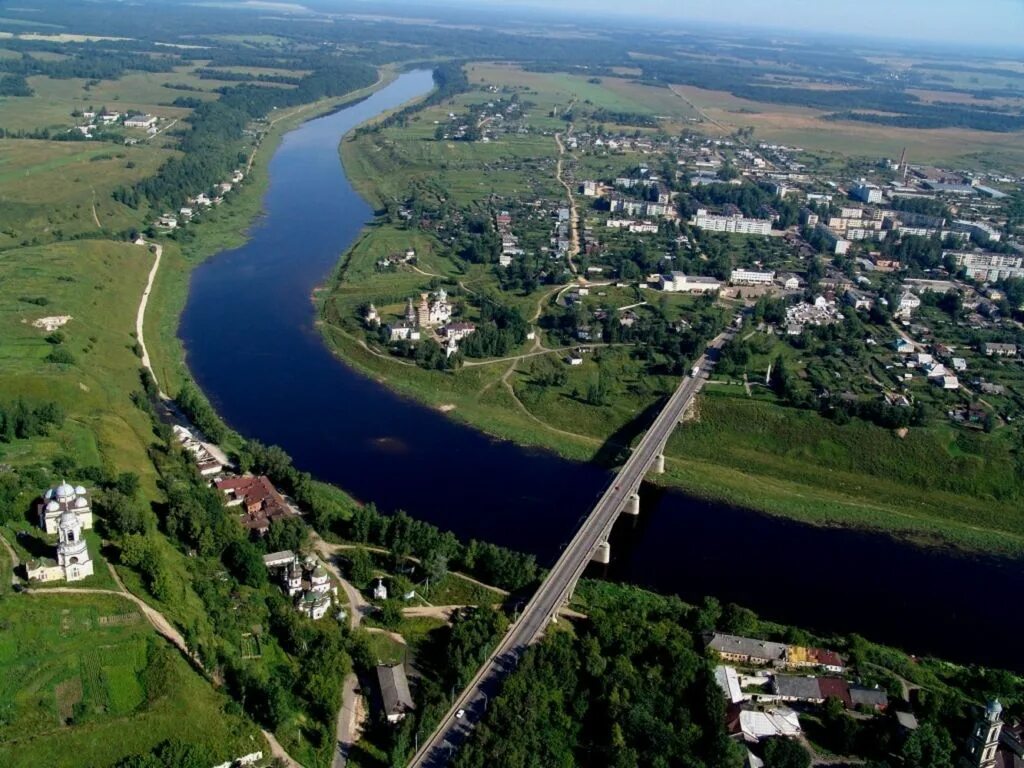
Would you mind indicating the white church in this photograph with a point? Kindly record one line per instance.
(66, 512)
(58, 500)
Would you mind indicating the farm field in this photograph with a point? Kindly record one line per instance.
(802, 127)
(95, 663)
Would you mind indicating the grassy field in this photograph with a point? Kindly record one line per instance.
(97, 284)
(51, 191)
(96, 664)
(932, 485)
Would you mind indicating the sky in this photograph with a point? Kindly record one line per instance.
(971, 22)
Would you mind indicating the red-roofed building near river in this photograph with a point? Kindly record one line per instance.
(258, 497)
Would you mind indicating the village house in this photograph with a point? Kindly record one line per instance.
(755, 725)
(140, 121)
(908, 304)
(797, 688)
(457, 331)
(745, 650)
(395, 698)
(999, 350)
(800, 656)
(869, 698)
(751, 277)
(402, 331)
(207, 464)
(788, 281)
(258, 498)
(858, 300)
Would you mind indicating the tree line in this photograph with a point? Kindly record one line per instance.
(212, 146)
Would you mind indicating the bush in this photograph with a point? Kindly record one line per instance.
(61, 356)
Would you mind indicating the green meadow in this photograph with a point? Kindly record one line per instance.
(85, 680)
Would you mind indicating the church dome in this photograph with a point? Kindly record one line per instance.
(64, 491)
(80, 490)
(52, 506)
(81, 503)
(994, 708)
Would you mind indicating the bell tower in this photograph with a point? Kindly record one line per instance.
(985, 739)
(72, 550)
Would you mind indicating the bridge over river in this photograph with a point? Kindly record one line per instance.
(590, 542)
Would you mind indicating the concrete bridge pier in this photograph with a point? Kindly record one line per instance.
(603, 553)
(659, 464)
(632, 505)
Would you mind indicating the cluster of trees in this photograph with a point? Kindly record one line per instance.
(15, 85)
(170, 753)
(882, 103)
(945, 115)
(500, 330)
(623, 118)
(401, 534)
(199, 411)
(915, 251)
(447, 660)
(405, 536)
(628, 688)
(19, 420)
(89, 63)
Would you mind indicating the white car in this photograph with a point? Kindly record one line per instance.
(460, 714)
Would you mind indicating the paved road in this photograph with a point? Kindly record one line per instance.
(560, 582)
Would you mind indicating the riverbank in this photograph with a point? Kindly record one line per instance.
(223, 228)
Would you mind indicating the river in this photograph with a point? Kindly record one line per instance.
(253, 347)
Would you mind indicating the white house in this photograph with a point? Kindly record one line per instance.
(908, 303)
(751, 277)
(679, 282)
(140, 121)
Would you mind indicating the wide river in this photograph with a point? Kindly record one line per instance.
(253, 347)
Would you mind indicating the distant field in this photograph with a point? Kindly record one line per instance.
(54, 100)
(51, 189)
(95, 662)
(801, 126)
(558, 90)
